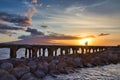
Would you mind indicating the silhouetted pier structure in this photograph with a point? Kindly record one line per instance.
(33, 51)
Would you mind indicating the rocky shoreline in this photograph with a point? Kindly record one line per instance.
(38, 68)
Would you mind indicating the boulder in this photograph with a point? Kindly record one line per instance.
(17, 62)
(39, 73)
(61, 67)
(52, 66)
(7, 66)
(69, 70)
(43, 66)
(8, 77)
(48, 78)
(32, 65)
(20, 71)
(77, 62)
(28, 76)
(3, 72)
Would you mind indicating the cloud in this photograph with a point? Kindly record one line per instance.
(103, 34)
(6, 27)
(44, 26)
(52, 35)
(90, 36)
(48, 6)
(34, 31)
(30, 12)
(4, 31)
(15, 19)
(34, 1)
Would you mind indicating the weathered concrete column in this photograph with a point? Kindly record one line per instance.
(74, 51)
(61, 51)
(43, 51)
(13, 51)
(34, 52)
(55, 52)
(39, 52)
(25, 52)
(82, 50)
(66, 51)
(30, 52)
(50, 51)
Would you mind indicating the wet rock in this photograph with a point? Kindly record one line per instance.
(53, 73)
(52, 66)
(70, 62)
(89, 65)
(8, 77)
(61, 66)
(3, 72)
(17, 62)
(39, 73)
(28, 76)
(32, 65)
(20, 71)
(43, 66)
(48, 78)
(69, 70)
(96, 61)
(7, 66)
(77, 62)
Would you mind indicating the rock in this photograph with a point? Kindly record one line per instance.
(43, 66)
(7, 66)
(53, 72)
(61, 66)
(69, 61)
(3, 72)
(28, 76)
(48, 78)
(17, 62)
(69, 70)
(32, 65)
(20, 71)
(77, 62)
(52, 66)
(39, 73)
(89, 65)
(8, 77)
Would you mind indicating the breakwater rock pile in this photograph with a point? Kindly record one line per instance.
(38, 68)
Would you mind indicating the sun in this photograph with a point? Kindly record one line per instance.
(85, 41)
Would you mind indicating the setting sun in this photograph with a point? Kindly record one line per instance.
(86, 41)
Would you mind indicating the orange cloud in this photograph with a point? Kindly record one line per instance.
(103, 34)
(34, 1)
(30, 12)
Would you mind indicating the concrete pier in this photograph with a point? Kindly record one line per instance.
(31, 51)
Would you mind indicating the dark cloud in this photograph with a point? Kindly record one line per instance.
(103, 34)
(34, 31)
(15, 19)
(6, 27)
(52, 35)
(4, 31)
(44, 26)
(24, 37)
(90, 36)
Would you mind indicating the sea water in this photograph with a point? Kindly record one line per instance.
(107, 72)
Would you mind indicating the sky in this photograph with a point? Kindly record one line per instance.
(70, 22)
